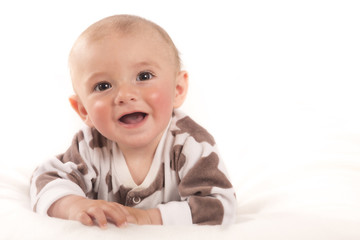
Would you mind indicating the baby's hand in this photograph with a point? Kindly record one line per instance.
(89, 212)
(144, 217)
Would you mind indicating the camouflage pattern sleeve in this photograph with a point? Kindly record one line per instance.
(202, 179)
(71, 173)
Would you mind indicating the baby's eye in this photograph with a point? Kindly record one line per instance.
(143, 76)
(102, 86)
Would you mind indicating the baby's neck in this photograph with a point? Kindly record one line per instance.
(139, 162)
(139, 168)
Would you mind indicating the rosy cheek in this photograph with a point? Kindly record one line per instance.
(161, 99)
(98, 110)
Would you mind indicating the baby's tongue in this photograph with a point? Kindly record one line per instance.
(132, 118)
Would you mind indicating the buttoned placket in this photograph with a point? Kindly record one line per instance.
(132, 199)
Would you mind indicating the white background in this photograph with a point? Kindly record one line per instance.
(273, 81)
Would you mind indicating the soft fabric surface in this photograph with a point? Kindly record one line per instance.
(310, 201)
(284, 75)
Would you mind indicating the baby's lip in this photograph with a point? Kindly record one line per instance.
(132, 118)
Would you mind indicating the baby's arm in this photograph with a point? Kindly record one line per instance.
(208, 191)
(90, 212)
(144, 217)
(62, 187)
(207, 196)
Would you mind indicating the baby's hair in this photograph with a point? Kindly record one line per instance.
(127, 24)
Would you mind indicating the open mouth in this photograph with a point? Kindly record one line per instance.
(133, 118)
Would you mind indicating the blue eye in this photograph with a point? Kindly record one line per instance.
(102, 86)
(144, 76)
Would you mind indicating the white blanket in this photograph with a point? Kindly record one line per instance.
(313, 201)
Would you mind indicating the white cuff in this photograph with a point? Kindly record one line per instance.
(175, 213)
(50, 195)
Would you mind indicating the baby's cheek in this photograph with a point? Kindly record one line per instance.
(99, 113)
(162, 101)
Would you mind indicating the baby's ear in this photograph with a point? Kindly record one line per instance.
(80, 109)
(181, 88)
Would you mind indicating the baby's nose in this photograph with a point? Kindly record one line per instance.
(126, 94)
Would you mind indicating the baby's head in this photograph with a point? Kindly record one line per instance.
(127, 80)
(125, 25)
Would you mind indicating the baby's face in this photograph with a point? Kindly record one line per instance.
(127, 86)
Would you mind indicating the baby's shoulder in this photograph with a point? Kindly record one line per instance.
(91, 138)
(182, 126)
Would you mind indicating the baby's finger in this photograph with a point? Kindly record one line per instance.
(116, 215)
(98, 215)
(84, 218)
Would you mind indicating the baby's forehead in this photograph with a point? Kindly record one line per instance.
(141, 30)
(124, 25)
(144, 39)
(99, 33)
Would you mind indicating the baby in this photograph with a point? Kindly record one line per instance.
(139, 160)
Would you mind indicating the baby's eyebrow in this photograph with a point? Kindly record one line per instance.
(94, 76)
(147, 64)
